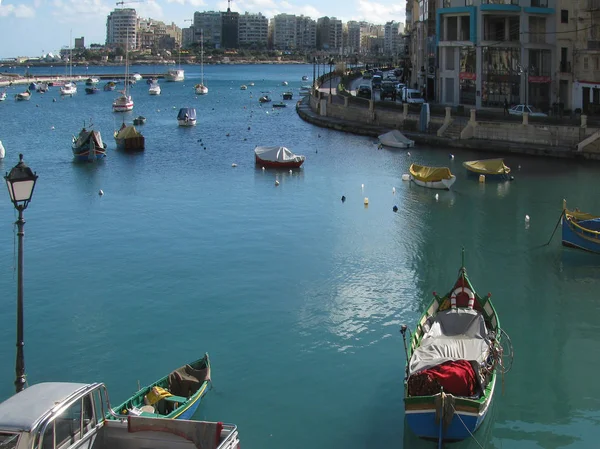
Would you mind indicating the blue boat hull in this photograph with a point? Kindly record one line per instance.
(576, 238)
(424, 426)
(84, 157)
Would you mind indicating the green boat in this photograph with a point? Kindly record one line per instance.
(455, 355)
(175, 396)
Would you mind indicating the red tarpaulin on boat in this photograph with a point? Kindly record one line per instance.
(456, 377)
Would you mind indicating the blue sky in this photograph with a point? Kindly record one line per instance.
(33, 27)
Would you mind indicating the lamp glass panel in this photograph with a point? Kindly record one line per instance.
(22, 190)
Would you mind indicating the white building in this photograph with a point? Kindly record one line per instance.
(353, 42)
(253, 29)
(121, 28)
(283, 31)
(392, 37)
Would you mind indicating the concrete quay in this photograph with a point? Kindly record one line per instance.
(26, 81)
(337, 112)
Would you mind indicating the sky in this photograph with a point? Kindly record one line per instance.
(37, 27)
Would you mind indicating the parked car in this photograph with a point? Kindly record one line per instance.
(364, 91)
(388, 90)
(532, 110)
(376, 82)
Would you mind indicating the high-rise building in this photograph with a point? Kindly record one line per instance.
(329, 34)
(209, 24)
(230, 36)
(392, 38)
(121, 28)
(253, 30)
(79, 42)
(352, 44)
(283, 31)
(306, 33)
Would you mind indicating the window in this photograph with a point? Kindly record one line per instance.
(539, 3)
(564, 16)
(449, 58)
(9, 440)
(585, 63)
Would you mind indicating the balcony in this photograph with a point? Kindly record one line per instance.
(565, 66)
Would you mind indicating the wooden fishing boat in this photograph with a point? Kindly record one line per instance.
(264, 99)
(69, 415)
(454, 357)
(277, 157)
(432, 177)
(129, 139)
(581, 230)
(491, 168)
(175, 396)
(88, 145)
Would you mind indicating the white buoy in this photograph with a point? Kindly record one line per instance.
(519, 167)
(52, 127)
(526, 218)
(481, 178)
(290, 171)
(100, 192)
(362, 186)
(366, 201)
(276, 183)
(393, 190)
(234, 165)
(263, 168)
(437, 196)
(405, 177)
(408, 153)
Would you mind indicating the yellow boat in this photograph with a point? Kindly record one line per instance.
(491, 168)
(432, 177)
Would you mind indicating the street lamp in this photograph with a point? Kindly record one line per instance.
(525, 70)
(20, 182)
(330, 75)
(314, 63)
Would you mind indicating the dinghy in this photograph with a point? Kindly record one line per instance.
(278, 157)
(491, 168)
(432, 177)
(396, 139)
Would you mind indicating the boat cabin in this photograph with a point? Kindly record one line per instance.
(63, 415)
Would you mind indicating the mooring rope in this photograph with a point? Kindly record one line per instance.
(463, 423)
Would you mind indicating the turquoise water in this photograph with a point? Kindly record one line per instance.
(297, 296)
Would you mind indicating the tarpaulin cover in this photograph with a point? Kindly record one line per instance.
(128, 132)
(277, 154)
(456, 377)
(429, 174)
(487, 167)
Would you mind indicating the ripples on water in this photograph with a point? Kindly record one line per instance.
(297, 296)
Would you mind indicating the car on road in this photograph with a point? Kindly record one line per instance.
(376, 82)
(364, 91)
(388, 90)
(532, 110)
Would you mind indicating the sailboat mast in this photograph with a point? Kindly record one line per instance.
(202, 55)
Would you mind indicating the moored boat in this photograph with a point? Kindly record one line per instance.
(279, 105)
(201, 89)
(580, 230)
(136, 76)
(70, 415)
(396, 139)
(243, 87)
(287, 95)
(304, 77)
(264, 99)
(278, 157)
(452, 362)
(42, 88)
(92, 81)
(91, 90)
(2, 150)
(175, 75)
(69, 88)
(491, 168)
(88, 146)
(154, 89)
(129, 139)
(23, 96)
(111, 85)
(139, 120)
(177, 395)
(123, 103)
(432, 177)
(2, 96)
(186, 117)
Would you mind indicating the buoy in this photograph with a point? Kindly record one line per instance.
(248, 128)
(263, 168)
(100, 192)
(54, 100)
(451, 156)
(395, 208)
(482, 178)
(519, 167)
(290, 171)
(408, 153)
(362, 186)
(526, 218)
(234, 165)
(52, 127)
(319, 135)
(227, 134)
(366, 201)
(393, 190)
(405, 177)
(276, 182)
(343, 198)
(437, 196)
(512, 178)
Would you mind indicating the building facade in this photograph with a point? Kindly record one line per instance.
(253, 30)
(283, 32)
(208, 25)
(121, 28)
(392, 37)
(352, 44)
(329, 34)
(230, 21)
(306, 33)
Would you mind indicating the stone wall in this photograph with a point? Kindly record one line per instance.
(566, 136)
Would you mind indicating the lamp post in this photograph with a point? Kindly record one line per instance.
(314, 63)
(525, 70)
(330, 75)
(20, 182)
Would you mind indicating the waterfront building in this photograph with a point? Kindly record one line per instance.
(329, 34)
(121, 28)
(352, 42)
(578, 55)
(229, 35)
(80, 42)
(306, 33)
(187, 36)
(392, 37)
(282, 31)
(253, 30)
(209, 26)
(494, 50)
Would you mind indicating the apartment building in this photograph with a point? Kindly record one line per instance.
(352, 43)
(329, 34)
(282, 30)
(306, 33)
(392, 37)
(208, 25)
(230, 36)
(253, 30)
(121, 28)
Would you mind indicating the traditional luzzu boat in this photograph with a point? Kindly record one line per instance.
(175, 396)
(432, 177)
(491, 168)
(69, 415)
(580, 230)
(454, 357)
(88, 146)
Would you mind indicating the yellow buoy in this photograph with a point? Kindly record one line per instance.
(366, 202)
(481, 178)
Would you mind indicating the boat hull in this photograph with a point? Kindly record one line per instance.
(443, 184)
(88, 155)
(492, 176)
(187, 123)
(273, 164)
(574, 236)
(131, 144)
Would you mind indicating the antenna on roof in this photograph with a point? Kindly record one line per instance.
(228, 5)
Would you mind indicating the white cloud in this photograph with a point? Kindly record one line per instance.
(19, 11)
(75, 10)
(152, 10)
(378, 13)
(189, 2)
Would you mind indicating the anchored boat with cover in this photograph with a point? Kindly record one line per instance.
(453, 359)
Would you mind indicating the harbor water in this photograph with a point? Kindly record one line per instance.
(297, 296)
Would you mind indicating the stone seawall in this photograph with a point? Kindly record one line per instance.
(510, 137)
